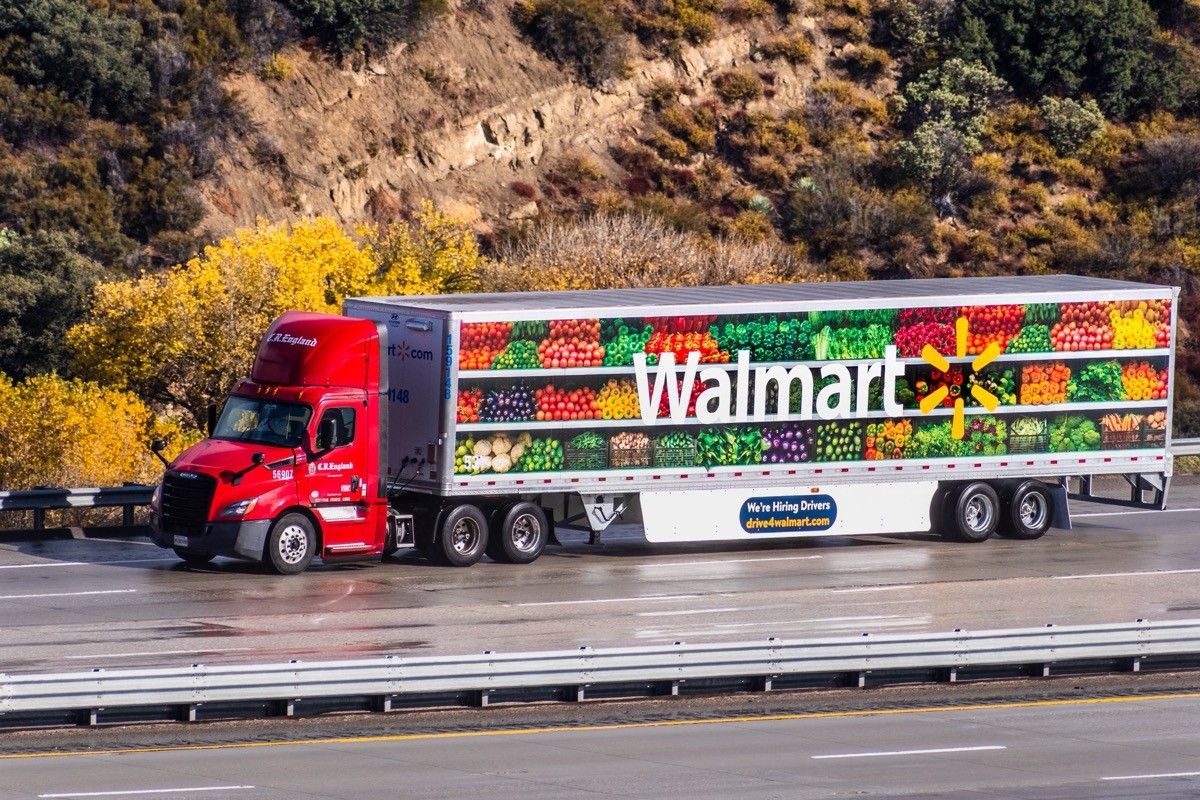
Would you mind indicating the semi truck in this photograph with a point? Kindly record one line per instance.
(486, 424)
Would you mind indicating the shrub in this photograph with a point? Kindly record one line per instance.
(865, 61)
(59, 432)
(738, 86)
(956, 94)
(797, 48)
(608, 251)
(845, 27)
(276, 68)
(580, 32)
(1071, 124)
(936, 158)
(1169, 165)
(348, 25)
(523, 189)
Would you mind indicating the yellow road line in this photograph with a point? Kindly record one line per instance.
(408, 737)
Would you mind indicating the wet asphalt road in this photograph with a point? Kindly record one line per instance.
(75, 604)
(1129, 748)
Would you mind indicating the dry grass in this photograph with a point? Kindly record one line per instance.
(612, 251)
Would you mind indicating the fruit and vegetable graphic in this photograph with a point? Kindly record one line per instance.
(572, 343)
(986, 436)
(988, 324)
(481, 342)
(787, 444)
(1143, 382)
(1032, 339)
(557, 404)
(513, 403)
(1071, 433)
(729, 445)
(1002, 383)
(1082, 326)
(838, 441)
(630, 449)
(468, 404)
(587, 450)
(767, 338)
(887, 439)
(1028, 435)
(1044, 384)
(675, 449)
(622, 339)
(521, 354)
(618, 399)
(1097, 381)
(1140, 324)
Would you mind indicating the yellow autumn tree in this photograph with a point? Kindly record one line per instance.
(59, 432)
(180, 338)
(435, 254)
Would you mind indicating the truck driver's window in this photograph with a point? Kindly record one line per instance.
(343, 426)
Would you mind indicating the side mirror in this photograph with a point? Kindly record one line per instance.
(327, 435)
(258, 458)
(157, 445)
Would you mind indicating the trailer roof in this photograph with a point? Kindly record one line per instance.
(707, 297)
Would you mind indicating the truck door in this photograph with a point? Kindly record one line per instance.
(333, 482)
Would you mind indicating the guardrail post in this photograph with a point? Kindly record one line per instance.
(39, 519)
(189, 713)
(384, 703)
(127, 516)
(484, 698)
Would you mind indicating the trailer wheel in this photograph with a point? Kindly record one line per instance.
(462, 536)
(291, 545)
(974, 512)
(1029, 512)
(193, 558)
(521, 535)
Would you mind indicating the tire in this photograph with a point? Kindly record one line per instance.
(462, 536)
(974, 512)
(193, 558)
(291, 545)
(521, 534)
(1028, 513)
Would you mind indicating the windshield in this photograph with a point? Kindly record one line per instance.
(269, 422)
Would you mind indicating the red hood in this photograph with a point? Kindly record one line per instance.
(221, 458)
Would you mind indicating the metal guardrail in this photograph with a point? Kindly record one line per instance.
(39, 501)
(1185, 447)
(577, 674)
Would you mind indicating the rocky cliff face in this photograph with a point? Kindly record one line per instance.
(457, 118)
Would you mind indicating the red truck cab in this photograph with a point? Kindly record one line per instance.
(291, 470)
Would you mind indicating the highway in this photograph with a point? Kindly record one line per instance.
(1072, 750)
(75, 604)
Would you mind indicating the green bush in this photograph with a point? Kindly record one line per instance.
(1106, 48)
(46, 290)
(580, 32)
(87, 56)
(797, 48)
(1071, 124)
(956, 94)
(348, 25)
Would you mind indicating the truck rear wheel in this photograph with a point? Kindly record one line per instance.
(462, 536)
(521, 535)
(1029, 512)
(973, 512)
(291, 545)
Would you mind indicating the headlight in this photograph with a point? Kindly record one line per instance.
(156, 498)
(239, 509)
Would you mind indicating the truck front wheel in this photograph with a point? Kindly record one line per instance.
(291, 545)
(522, 534)
(462, 536)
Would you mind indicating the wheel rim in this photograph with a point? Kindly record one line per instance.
(978, 513)
(1032, 511)
(526, 533)
(464, 537)
(293, 544)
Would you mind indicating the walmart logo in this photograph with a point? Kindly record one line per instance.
(962, 335)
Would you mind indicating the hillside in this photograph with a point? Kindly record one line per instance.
(569, 143)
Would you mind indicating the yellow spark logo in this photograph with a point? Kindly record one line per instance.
(939, 362)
